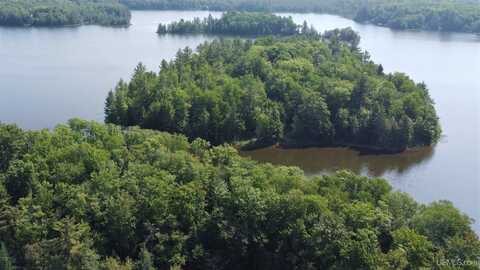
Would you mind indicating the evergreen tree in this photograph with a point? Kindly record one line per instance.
(6, 262)
(146, 262)
(324, 91)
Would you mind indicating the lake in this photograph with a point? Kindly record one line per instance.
(49, 75)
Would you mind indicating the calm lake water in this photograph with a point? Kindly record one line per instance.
(48, 76)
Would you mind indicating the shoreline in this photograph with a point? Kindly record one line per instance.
(361, 149)
(274, 12)
(317, 13)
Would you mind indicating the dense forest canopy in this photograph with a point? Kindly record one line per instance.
(437, 15)
(441, 15)
(345, 7)
(234, 23)
(93, 196)
(62, 12)
(305, 90)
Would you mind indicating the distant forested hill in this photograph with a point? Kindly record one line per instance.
(437, 15)
(344, 7)
(62, 12)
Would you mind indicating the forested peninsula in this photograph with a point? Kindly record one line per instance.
(62, 12)
(304, 90)
(93, 196)
(434, 15)
(234, 23)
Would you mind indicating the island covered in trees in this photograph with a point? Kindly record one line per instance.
(304, 90)
(436, 15)
(234, 23)
(93, 196)
(62, 12)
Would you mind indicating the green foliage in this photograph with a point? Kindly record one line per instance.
(417, 248)
(103, 197)
(312, 121)
(145, 262)
(437, 15)
(456, 223)
(309, 89)
(344, 7)
(70, 248)
(62, 12)
(269, 126)
(114, 264)
(11, 145)
(5, 260)
(234, 23)
(440, 15)
(19, 178)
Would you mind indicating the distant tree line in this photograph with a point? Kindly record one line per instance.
(345, 7)
(446, 15)
(234, 23)
(62, 12)
(99, 197)
(437, 15)
(296, 91)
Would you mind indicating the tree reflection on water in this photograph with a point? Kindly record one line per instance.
(317, 161)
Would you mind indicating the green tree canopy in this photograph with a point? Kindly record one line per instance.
(436, 15)
(301, 90)
(105, 197)
(62, 12)
(234, 23)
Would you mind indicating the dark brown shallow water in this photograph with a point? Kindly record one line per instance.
(316, 161)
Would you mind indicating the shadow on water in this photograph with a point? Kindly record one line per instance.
(317, 161)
